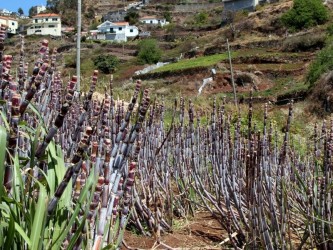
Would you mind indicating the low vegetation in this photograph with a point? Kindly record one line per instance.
(149, 52)
(323, 63)
(305, 14)
(106, 63)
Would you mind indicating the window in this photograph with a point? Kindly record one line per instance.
(51, 26)
(151, 21)
(131, 30)
(111, 30)
(31, 27)
(46, 19)
(120, 28)
(54, 19)
(38, 27)
(38, 31)
(36, 20)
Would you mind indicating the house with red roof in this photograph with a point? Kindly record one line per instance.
(116, 31)
(45, 24)
(11, 23)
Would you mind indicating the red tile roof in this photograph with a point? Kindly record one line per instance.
(46, 15)
(148, 17)
(121, 23)
(7, 18)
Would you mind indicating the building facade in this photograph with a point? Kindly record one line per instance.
(153, 20)
(40, 8)
(45, 24)
(11, 23)
(116, 31)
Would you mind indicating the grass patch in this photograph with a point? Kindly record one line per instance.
(211, 60)
(203, 61)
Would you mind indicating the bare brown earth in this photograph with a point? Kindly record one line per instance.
(200, 232)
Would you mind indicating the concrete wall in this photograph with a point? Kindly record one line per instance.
(196, 6)
(45, 29)
(235, 5)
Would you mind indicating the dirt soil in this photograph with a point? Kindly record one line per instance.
(200, 232)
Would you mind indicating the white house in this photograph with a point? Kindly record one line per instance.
(40, 8)
(11, 23)
(153, 20)
(116, 31)
(5, 12)
(45, 24)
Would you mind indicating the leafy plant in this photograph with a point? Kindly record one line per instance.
(132, 17)
(106, 63)
(149, 52)
(305, 14)
(201, 18)
(322, 64)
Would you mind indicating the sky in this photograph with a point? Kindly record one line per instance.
(13, 5)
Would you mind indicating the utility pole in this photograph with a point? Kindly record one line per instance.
(78, 46)
(232, 76)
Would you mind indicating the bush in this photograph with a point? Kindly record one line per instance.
(106, 63)
(330, 30)
(305, 14)
(201, 18)
(322, 64)
(307, 42)
(149, 52)
(132, 17)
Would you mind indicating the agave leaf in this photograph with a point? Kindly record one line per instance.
(10, 233)
(64, 204)
(77, 233)
(20, 230)
(4, 119)
(3, 142)
(37, 231)
(40, 118)
(85, 198)
(18, 182)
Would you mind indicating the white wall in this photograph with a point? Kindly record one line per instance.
(131, 31)
(155, 21)
(45, 26)
(11, 24)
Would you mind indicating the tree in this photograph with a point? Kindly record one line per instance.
(149, 52)
(20, 11)
(305, 14)
(32, 11)
(132, 17)
(90, 12)
(106, 63)
(167, 15)
(53, 5)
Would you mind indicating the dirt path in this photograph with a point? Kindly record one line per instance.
(200, 232)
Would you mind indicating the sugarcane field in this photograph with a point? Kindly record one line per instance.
(166, 125)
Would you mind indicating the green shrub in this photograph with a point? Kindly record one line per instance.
(106, 63)
(330, 30)
(149, 52)
(201, 18)
(132, 17)
(303, 43)
(305, 14)
(322, 64)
